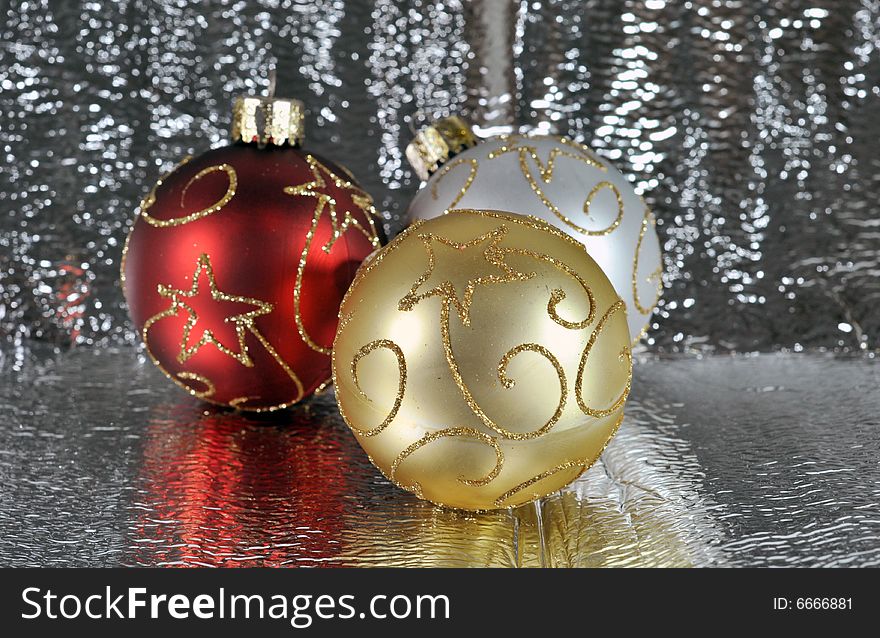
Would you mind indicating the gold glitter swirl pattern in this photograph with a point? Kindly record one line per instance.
(472, 402)
(508, 383)
(150, 199)
(494, 255)
(582, 464)
(467, 183)
(557, 295)
(297, 287)
(287, 369)
(314, 188)
(617, 197)
(626, 353)
(529, 221)
(647, 221)
(209, 390)
(546, 170)
(582, 149)
(468, 433)
(401, 382)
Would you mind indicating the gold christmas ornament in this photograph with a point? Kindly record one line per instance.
(482, 359)
(555, 179)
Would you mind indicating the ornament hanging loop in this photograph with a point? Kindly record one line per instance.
(437, 143)
(268, 121)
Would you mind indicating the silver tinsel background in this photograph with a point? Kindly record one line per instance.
(751, 127)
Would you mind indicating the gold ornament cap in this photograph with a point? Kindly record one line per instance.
(268, 120)
(437, 142)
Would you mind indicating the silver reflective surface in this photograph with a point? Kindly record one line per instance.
(750, 127)
(720, 461)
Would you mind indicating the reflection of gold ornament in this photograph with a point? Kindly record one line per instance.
(482, 359)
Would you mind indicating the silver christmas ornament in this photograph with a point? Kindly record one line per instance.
(554, 179)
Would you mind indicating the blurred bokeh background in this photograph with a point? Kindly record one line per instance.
(750, 127)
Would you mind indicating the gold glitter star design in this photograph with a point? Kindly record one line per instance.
(360, 198)
(243, 322)
(443, 278)
(314, 188)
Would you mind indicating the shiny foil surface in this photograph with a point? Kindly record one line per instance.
(750, 128)
(95, 472)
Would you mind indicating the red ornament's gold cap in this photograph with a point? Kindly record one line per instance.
(437, 142)
(268, 120)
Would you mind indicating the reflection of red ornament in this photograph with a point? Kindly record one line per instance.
(226, 489)
(72, 290)
(237, 263)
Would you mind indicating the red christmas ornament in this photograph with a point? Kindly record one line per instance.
(238, 261)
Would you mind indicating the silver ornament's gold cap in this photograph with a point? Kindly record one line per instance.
(268, 120)
(437, 142)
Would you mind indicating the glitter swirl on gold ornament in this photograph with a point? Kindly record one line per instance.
(484, 274)
(625, 354)
(494, 256)
(557, 295)
(582, 465)
(465, 433)
(401, 384)
(325, 202)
